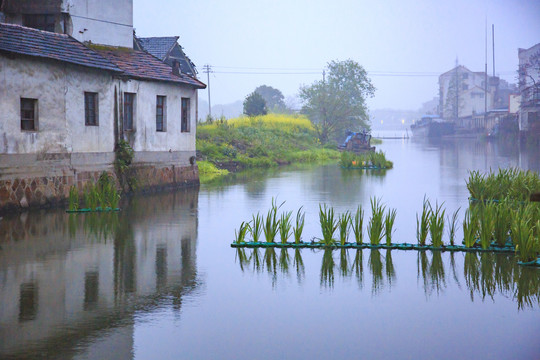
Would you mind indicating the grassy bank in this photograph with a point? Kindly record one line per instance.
(262, 141)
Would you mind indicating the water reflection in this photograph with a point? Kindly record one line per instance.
(485, 275)
(68, 283)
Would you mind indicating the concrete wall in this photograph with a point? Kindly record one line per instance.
(102, 21)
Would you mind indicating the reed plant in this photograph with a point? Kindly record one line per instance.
(436, 225)
(476, 184)
(328, 224)
(513, 183)
(487, 214)
(256, 227)
(240, 235)
(299, 226)
(422, 223)
(452, 221)
(389, 220)
(344, 222)
(503, 222)
(375, 227)
(270, 226)
(357, 224)
(370, 159)
(285, 226)
(470, 227)
(73, 199)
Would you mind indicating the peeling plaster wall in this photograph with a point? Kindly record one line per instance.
(102, 21)
(59, 89)
(145, 137)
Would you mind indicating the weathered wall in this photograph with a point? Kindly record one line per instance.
(102, 21)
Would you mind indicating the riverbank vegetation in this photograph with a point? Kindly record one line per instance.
(262, 141)
(102, 196)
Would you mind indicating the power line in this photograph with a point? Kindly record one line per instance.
(208, 69)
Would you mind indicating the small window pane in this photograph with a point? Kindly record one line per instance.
(160, 113)
(28, 114)
(90, 109)
(185, 115)
(128, 111)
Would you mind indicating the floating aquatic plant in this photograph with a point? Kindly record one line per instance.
(487, 223)
(422, 223)
(299, 226)
(73, 199)
(389, 220)
(357, 224)
(503, 222)
(270, 227)
(524, 227)
(344, 222)
(256, 227)
(375, 227)
(470, 227)
(242, 232)
(453, 227)
(328, 224)
(285, 226)
(436, 225)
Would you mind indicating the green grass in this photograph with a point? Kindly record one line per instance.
(487, 214)
(262, 141)
(270, 224)
(285, 226)
(470, 227)
(503, 223)
(256, 227)
(73, 198)
(240, 235)
(525, 233)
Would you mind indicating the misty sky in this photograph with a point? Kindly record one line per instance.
(244, 39)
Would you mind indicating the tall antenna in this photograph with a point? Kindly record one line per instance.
(493, 45)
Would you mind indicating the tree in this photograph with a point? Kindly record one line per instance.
(273, 97)
(338, 103)
(254, 105)
(453, 104)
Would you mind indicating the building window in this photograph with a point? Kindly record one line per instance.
(160, 113)
(91, 109)
(29, 114)
(129, 101)
(185, 115)
(39, 21)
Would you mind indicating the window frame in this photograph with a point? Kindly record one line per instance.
(24, 116)
(163, 116)
(129, 105)
(184, 115)
(87, 109)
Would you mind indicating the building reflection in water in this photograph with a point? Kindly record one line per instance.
(68, 281)
(485, 275)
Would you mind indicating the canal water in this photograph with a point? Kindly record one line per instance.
(159, 280)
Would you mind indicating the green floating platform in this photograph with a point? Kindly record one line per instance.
(98, 209)
(530, 263)
(404, 246)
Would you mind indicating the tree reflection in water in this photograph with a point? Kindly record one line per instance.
(484, 274)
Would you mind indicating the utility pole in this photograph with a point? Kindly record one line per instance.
(208, 69)
(486, 82)
(323, 75)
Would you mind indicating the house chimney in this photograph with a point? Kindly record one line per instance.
(176, 68)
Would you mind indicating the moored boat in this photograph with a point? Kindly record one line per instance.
(432, 126)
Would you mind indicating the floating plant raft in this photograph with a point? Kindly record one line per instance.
(98, 209)
(403, 246)
(530, 263)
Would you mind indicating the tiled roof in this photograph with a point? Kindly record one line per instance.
(142, 65)
(159, 46)
(31, 42)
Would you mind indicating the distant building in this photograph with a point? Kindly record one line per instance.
(529, 89)
(167, 50)
(465, 99)
(66, 104)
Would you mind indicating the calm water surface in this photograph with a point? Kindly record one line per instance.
(160, 281)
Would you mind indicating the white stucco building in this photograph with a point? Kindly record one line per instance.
(65, 104)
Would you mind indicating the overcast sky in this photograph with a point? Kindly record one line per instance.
(294, 39)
